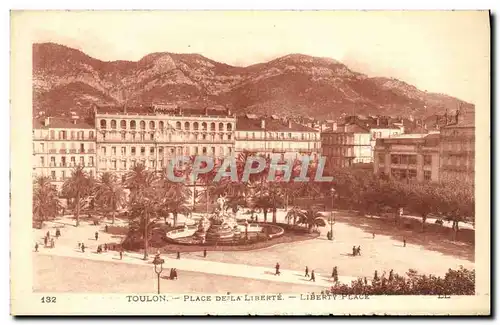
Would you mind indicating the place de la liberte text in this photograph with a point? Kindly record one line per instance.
(228, 298)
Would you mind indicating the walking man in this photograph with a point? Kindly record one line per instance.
(83, 248)
(307, 272)
(204, 253)
(45, 241)
(178, 255)
(48, 234)
(52, 243)
(359, 250)
(313, 277)
(353, 250)
(404, 242)
(36, 247)
(96, 235)
(277, 269)
(58, 233)
(373, 235)
(121, 254)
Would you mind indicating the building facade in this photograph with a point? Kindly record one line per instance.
(59, 145)
(457, 152)
(353, 142)
(271, 136)
(411, 157)
(155, 135)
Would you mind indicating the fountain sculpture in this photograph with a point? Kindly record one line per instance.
(222, 226)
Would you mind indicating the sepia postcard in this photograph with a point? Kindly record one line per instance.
(250, 163)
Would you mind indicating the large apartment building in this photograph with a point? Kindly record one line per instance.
(411, 157)
(154, 135)
(457, 148)
(273, 136)
(61, 144)
(353, 141)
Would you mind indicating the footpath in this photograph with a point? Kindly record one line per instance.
(67, 246)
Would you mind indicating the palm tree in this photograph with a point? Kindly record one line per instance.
(143, 201)
(174, 197)
(293, 215)
(78, 187)
(109, 193)
(311, 218)
(45, 201)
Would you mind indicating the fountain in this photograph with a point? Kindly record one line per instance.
(222, 228)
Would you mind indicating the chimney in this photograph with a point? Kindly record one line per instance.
(263, 124)
(228, 111)
(206, 110)
(47, 121)
(334, 126)
(289, 124)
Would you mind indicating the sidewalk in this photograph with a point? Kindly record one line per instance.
(201, 266)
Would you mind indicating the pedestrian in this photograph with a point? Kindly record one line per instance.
(96, 235)
(52, 243)
(335, 274)
(45, 240)
(106, 228)
(204, 253)
(373, 235)
(83, 248)
(105, 247)
(353, 250)
(359, 250)
(36, 247)
(79, 245)
(313, 277)
(404, 242)
(121, 254)
(277, 269)
(307, 272)
(178, 255)
(171, 276)
(48, 234)
(58, 233)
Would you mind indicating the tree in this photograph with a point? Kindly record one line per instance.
(174, 197)
(423, 200)
(45, 200)
(310, 218)
(79, 188)
(109, 194)
(143, 200)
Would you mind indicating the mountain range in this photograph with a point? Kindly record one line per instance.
(66, 79)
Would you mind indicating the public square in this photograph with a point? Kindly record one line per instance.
(65, 268)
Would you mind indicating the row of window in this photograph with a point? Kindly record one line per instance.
(161, 125)
(151, 137)
(71, 135)
(409, 174)
(133, 151)
(277, 135)
(53, 147)
(64, 162)
(63, 175)
(457, 161)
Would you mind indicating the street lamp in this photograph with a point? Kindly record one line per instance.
(332, 217)
(158, 262)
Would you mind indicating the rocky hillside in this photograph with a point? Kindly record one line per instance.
(66, 79)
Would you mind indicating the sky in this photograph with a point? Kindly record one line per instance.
(445, 52)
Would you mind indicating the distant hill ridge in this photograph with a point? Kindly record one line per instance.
(67, 79)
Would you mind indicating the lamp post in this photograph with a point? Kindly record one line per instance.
(158, 262)
(332, 217)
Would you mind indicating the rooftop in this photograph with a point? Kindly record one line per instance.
(251, 122)
(163, 109)
(61, 123)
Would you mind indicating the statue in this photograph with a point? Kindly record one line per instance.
(221, 201)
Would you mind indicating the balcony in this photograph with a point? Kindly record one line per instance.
(90, 151)
(62, 151)
(52, 150)
(72, 150)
